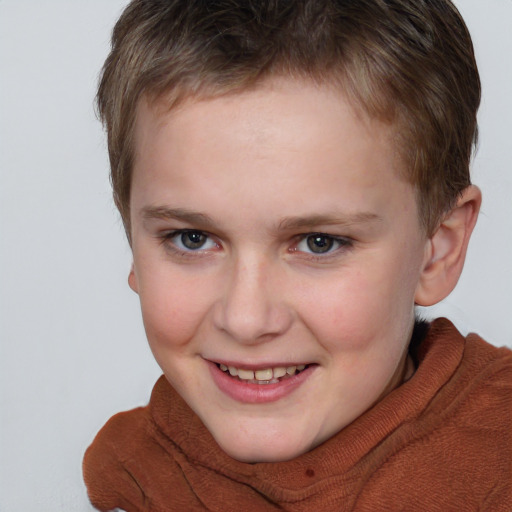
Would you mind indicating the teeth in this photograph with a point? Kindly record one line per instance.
(291, 370)
(261, 374)
(247, 374)
(265, 376)
(279, 372)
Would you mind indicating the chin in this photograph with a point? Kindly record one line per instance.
(269, 454)
(269, 449)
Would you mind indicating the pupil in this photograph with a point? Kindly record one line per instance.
(193, 239)
(320, 243)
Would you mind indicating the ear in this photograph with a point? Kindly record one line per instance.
(132, 280)
(446, 249)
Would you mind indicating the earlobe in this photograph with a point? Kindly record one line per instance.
(132, 280)
(446, 249)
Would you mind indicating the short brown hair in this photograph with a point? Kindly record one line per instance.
(406, 62)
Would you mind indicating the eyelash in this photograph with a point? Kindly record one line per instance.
(342, 244)
(170, 245)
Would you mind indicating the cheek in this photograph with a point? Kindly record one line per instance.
(357, 307)
(173, 309)
(339, 313)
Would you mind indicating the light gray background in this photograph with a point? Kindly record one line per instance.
(73, 350)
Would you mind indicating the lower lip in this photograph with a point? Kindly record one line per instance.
(257, 393)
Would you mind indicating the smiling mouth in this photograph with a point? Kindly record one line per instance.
(263, 376)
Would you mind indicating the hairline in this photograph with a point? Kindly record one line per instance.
(174, 98)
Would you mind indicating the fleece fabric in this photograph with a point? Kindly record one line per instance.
(442, 441)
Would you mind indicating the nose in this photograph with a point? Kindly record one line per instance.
(252, 308)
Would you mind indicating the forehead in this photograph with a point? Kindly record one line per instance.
(315, 99)
(306, 104)
(282, 135)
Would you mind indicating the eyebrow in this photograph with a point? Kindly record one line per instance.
(286, 224)
(181, 214)
(291, 223)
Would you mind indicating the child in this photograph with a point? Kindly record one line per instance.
(293, 177)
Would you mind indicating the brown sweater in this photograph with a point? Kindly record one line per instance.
(440, 442)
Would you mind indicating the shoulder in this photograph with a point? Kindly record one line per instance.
(464, 437)
(466, 366)
(482, 354)
(106, 466)
(123, 435)
(482, 401)
(465, 376)
(131, 460)
(134, 464)
(477, 393)
(457, 448)
(475, 436)
(483, 386)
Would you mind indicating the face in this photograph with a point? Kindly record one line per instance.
(277, 253)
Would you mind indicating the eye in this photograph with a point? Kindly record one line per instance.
(320, 243)
(191, 240)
